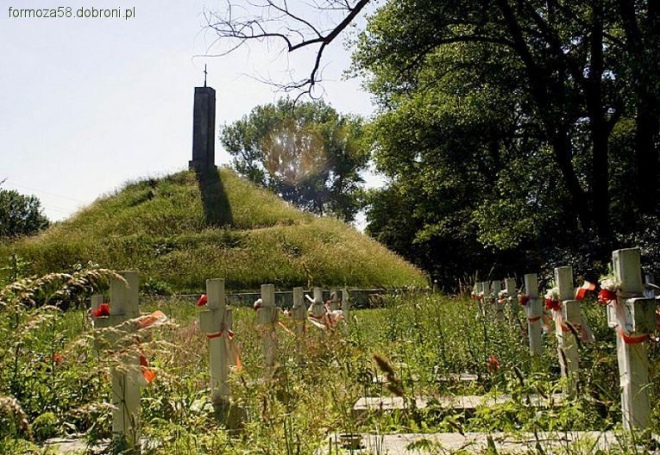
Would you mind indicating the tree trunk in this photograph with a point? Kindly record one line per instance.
(641, 45)
(579, 202)
(599, 130)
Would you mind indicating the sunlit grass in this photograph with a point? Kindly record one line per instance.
(158, 227)
(317, 380)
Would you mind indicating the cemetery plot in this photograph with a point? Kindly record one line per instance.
(458, 403)
(449, 443)
(295, 377)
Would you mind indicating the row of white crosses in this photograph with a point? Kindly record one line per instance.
(216, 323)
(631, 313)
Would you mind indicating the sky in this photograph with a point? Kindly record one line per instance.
(88, 104)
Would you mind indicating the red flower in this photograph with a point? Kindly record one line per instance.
(523, 299)
(102, 310)
(57, 358)
(606, 296)
(203, 300)
(493, 364)
(552, 305)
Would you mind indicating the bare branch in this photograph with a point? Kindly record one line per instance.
(304, 26)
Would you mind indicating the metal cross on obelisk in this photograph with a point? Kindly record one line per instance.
(205, 73)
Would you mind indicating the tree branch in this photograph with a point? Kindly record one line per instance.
(276, 20)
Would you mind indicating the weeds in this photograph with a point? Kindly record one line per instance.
(312, 390)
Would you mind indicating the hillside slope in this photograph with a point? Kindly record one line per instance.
(179, 230)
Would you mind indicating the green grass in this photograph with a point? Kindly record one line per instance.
(317, 380)
(170, 230)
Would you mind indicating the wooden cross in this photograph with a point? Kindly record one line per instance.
(512, 294)
(632, 347)
(299, 310)
(216, 323)
(496, 287)
(345, 304)
(124, 305)
(534, 313)
(318, 308)
(334, 300)
(267, 318)
(567, 344)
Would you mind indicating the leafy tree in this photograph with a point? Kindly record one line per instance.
(20, 215)
(305, 152)
(533, 106)
(508, 126)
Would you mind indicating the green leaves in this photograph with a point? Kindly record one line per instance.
(307, 153)
(20, 215)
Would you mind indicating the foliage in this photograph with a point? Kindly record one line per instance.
(20, 215)
(318, 378)
(40, 386)
(305, 152)
(514, 126)
(158, 227)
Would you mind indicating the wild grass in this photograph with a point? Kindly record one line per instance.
(55, 384)
(161, 228)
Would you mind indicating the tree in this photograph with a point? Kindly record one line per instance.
(288, 25)
(305, 152)
(20, 215)
(530, 123)
(566, 66)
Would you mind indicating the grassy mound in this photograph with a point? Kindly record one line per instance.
(179, 230)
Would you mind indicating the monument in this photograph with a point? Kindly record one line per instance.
(203, 155)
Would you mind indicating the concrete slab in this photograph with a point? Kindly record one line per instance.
(458, 377)
(458, 403)
(79, 446)
(451, 443)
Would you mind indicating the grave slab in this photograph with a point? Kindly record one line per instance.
(458, 403)
(458, 377)
(448, 443)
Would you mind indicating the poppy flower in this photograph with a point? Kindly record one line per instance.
(493, 364)
(203, 300)
(57, 358)
(523, 299)
(102, 310)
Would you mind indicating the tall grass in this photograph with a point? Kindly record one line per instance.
(315, 384)
(160, 228)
